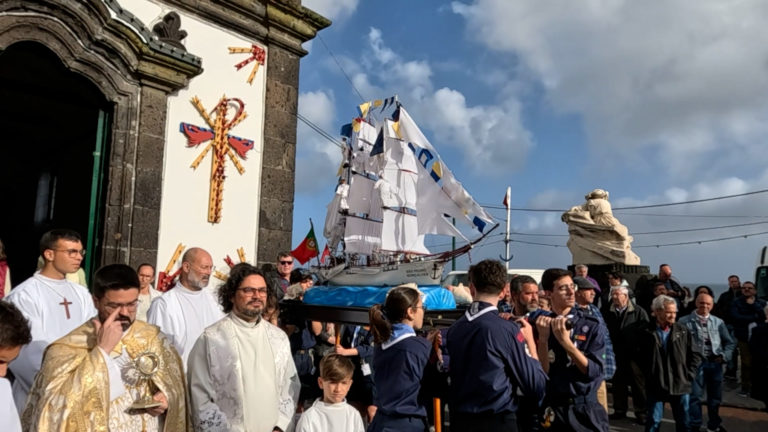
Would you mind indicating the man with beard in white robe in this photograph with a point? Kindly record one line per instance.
(186, 310)
(241, 372)
(53, 305)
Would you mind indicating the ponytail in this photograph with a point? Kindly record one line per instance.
(380, 325)
(394, 310)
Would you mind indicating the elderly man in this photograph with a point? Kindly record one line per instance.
(712, 338)
(241, 373)
(90, 378)
(571, 349)
(670, 359)
(582, 271)
(624, 320)
(53, 305)
(185, 311)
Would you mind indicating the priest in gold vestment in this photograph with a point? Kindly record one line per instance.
(91, 377)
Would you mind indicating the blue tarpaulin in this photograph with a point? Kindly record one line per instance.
(435, 296)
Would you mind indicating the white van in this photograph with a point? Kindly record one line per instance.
(460, 276)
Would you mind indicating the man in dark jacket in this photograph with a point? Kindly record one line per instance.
(670, 360)
(624, 320)
(746, 310)
(723, 311)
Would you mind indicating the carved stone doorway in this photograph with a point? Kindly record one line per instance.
(53, 145)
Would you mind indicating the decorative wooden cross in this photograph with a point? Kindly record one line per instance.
(222, 144)
(66, 304)
(257, 54)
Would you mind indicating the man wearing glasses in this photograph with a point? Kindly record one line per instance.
(241, 372)
(571, 349)
(99, 368)
(53, 305)
(185, 311)
(281, 279)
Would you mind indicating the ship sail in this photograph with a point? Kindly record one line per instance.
(395, 190)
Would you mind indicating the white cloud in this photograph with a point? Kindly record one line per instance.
(492, 138)
(312, 150)
(684, 78)
(334, 10)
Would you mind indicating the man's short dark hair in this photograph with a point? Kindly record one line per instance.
(49, 239)
(236, 277)
(145, 265)
(14, 328)
(517, 283)
(734, 276)
(488, 276)
(550, 276)
(659, 283)
(114, 277)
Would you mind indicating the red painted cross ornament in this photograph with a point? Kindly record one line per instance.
(258, 55)
(221, 142)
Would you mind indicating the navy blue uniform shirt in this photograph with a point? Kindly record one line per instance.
(565, 379)
(397, 373)
(489, 363)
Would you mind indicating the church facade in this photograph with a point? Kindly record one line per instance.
(150, 126)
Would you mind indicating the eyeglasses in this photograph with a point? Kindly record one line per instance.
(286, 262)
(72, 253)
(130, 306)
(424, 308)
(251, 291)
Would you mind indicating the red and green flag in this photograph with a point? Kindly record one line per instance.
(308, 248)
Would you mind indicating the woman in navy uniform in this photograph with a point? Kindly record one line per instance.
(571, 348)
(399, 360)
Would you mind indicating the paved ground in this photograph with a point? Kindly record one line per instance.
(739, 414)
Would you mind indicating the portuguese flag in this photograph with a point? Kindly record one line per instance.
(308, 248)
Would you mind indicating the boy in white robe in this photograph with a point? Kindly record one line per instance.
(332, 412)
(14, 333)
(53, 305)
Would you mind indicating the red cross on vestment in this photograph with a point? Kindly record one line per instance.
(66, 304)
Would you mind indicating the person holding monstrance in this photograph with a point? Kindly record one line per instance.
(111, 373)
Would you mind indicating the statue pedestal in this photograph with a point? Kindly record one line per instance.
(632, 273)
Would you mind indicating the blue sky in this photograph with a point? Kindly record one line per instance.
(655, 102)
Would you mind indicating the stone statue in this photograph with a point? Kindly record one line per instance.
(596, 237)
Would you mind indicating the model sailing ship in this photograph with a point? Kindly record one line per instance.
(393, 191)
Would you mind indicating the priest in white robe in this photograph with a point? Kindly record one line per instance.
(241, 372)
(186, 310)
(91, 378)
(53, 305)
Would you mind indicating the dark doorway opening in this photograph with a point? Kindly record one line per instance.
(54, 142)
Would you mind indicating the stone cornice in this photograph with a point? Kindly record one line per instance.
(280, 22)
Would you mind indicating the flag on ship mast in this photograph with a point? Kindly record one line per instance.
(308, 248)
(506, 198)
(326, 253)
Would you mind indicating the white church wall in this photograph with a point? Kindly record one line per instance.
(185, 191)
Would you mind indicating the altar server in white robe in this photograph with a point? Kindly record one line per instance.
(241, 372)
(186, 310)
(53, 305)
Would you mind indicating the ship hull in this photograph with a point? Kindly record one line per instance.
(418, 272)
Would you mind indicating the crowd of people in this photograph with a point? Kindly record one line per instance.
(524, 356)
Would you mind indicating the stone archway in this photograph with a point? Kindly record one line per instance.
(135, 77)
